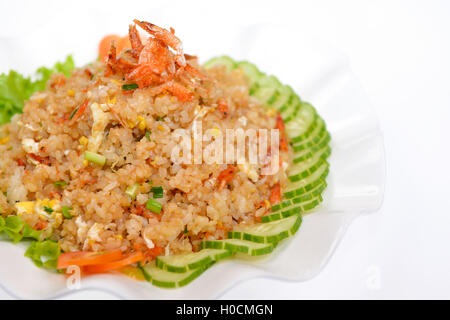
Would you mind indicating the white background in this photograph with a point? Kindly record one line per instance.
(400, 51)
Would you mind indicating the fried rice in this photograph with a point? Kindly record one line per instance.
(43, 167)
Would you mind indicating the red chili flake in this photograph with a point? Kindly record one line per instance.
(62, 119)
(222, 107)
(20, 162)
(39, 158)
(79, 111)
(60, 81)
(226, 176)
(141, 210)
(40, 225)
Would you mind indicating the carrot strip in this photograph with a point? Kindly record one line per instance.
(275, 194)
(280, 127)
(110, 266)
(84, 258)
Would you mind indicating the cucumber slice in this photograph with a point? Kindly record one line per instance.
(226, 61)
(295, 189)
(293, 132)
(285, 97)
(311, 141)
(307, 172)
(293, 115)
(251, 71)
(183, 262)
(266, 90)
(303, 169)
(301, 124)
(265, 95)
(272, 232)
(292, 110)
(293, 210)
(243, 246)
(291, 104)
(306, 197)
(166, 279)
(318, 128)
(309, 153)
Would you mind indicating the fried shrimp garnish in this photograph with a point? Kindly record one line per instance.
(158, 62)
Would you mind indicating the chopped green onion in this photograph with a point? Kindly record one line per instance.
(153, 206)
(160, 118)
(73, 113)
(158, 192)
(60, 184)
(66, 212)
(48, 209)
(95, 158)
(185, 230)
(150, 182)
(130, 86)
(132, 190)
(147, 135)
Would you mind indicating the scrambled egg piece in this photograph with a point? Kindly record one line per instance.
(24, 207)
(30, 146)
(142, 124)
(4, 140)
(83, 140)
(101, 119)
(94, 232)
(249, 170)
(243, 120)
(82, 228)
(38, 207)
(215, 132)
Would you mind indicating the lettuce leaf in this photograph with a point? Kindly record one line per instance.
(13, 227)
(43, 253)
(15, 88)
(30, 233)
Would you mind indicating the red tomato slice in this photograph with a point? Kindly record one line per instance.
(114, 265)
(105, 45)
(85, 258)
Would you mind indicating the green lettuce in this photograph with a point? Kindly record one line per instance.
(43, 252)
(13, 227)
(15, 88)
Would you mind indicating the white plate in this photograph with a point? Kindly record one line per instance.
(323, 77)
